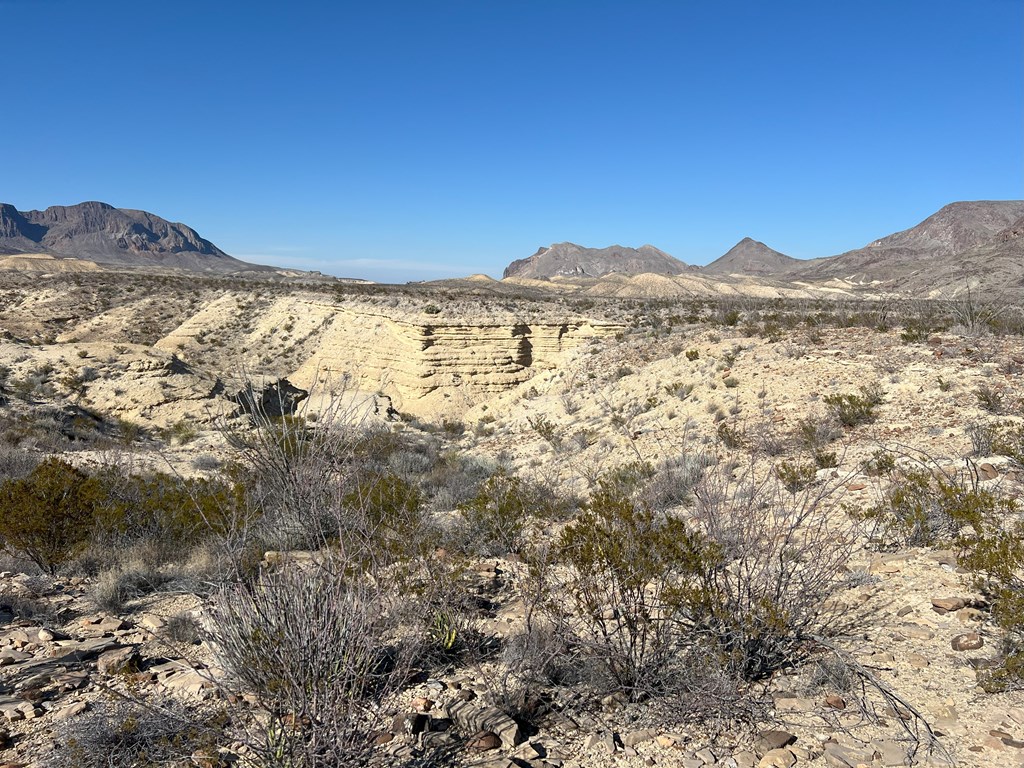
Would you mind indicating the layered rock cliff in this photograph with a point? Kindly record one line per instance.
(428, 366)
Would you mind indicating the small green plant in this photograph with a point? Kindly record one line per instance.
(546, 430)
(795, 477)
(692, 354)
(432, 309)
(824, 458)
(853, 410)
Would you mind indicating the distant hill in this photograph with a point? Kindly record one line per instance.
(571, 260)
(106, 235)
(751, 257)
(934, 245)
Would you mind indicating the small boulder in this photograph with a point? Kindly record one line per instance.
(483, 741)
(968, 641)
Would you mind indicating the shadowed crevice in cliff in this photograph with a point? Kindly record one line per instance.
(524, 351)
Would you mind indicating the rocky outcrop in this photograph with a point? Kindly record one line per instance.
(429, 365)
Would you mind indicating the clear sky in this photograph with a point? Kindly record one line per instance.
(431, 138)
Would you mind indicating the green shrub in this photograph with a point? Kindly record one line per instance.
(385, 520)
(990, 542)
(795, 477)
(48, 516)
(744, 581)
(169, 511)
(494, 520)
(853, 410)
(629, 571)
(926, 508)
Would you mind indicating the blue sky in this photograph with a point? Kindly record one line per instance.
(414, 140)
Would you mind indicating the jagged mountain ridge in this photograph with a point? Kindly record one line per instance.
(107, 235)
(571, 260)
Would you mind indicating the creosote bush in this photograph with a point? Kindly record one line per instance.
(495, 520)
(852, 409)
(741, 583)
(47, 516)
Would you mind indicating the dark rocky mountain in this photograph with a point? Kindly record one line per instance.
(751, 257)
(107, 235)
(571, 260)
(993, 270)
(955, 229)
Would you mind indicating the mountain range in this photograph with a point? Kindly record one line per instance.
(979, 244)
(976, 244)
(103, 234)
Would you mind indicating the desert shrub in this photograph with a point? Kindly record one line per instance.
(319, 650)
(782, 557)
(454, 479)
(137, 734)
(983, 438)
(989, 398)
(764, 438)
(546, 430)
(915, 331)
(731, 436)
(994, 549)
(882, 462)
(383, 520)
(815, 431)
(16, 463)
(295, 474)
(795, 477)
(824, 458)
(851, 409)
(926, 507)
(672, 482)
(743, 581)
(170, 512)
(692, 354)
(494, 521)
(113, 588)
(626, 564)
(48, 516)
